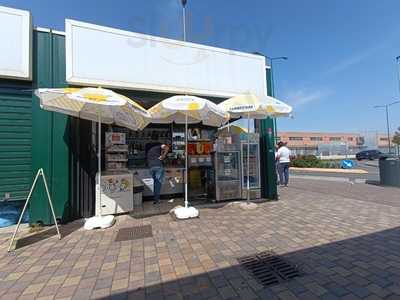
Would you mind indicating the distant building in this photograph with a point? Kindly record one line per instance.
(324, 143)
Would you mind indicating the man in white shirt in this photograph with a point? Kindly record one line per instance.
(283, 158)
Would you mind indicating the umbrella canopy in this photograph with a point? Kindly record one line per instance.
(90, 103)
(249, 105)
(181, 109)
(99, 105)
(186, 110)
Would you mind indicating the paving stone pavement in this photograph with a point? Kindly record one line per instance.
(347, 249)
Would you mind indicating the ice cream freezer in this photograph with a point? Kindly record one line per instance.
(121, 191)
(173, 181)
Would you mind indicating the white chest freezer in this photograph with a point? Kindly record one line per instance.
(116, 193)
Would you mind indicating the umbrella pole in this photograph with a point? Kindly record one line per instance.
(99, 158)
(248, 157)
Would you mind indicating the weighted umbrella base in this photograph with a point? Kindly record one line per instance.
(99, 222)
(186, 213)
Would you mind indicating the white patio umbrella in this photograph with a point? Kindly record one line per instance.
(183, 109)
(101, 106)
(252, 107)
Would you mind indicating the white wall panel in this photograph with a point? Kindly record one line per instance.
(98, 55)
(15, 44)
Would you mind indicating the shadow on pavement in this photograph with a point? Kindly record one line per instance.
(46, 233)
(354, 268)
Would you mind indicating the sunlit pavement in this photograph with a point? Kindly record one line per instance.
(345, 238)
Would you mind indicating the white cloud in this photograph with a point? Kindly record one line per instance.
(352, 60)
(305, 96)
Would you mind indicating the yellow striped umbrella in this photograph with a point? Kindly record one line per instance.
(252, 107)
(90, 103)
(99, 105)
(184, 109)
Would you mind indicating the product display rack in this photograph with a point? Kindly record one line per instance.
(117, 158)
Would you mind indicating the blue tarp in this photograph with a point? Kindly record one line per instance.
(10, 212)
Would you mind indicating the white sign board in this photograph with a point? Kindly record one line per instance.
(102, 56)
(15, 43)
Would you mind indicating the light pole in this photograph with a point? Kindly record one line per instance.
(386, 106)
(184, 2)
(271, 65)
(398, 70)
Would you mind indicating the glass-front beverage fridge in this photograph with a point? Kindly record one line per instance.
(225, 180)
(254, 160)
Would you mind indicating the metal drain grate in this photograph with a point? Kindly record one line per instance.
(268, 268)
(134, 233)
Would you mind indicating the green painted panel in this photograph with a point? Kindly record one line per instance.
(15, 168)
(14, 116)
(17, 110)
(18, 122)
(16, 173)
(60, 137)
(22, 189)
(11, 148)
(15, 143)
(8, 155)
(10, 135)
(14, 102)
(50, 146)
(15, 129)
(267, 147)
(41, 128)
(16, 181)
(15, 161)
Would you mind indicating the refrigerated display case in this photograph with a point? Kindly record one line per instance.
(227, 175)
(254, 171)
(224, 178)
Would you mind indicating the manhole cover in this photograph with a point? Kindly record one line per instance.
(134, 233)
(268, 268)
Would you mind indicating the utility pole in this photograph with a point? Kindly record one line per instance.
(386, 106)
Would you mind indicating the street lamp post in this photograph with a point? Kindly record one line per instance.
(398, 71)
(184, 2)
(386, 106)
(271, 59)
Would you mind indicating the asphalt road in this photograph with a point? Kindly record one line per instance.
(371, 167)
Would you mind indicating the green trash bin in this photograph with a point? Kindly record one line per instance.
(389, 172)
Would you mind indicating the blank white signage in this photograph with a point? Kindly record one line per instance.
(15, 45)
(102, 56)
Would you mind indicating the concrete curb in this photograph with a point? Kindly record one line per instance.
(322, 170)
(327, 178)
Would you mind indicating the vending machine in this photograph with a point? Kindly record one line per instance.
(254, 162)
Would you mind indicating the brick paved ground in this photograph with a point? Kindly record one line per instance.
(348, 249)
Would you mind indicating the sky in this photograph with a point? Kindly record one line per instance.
(341, 53)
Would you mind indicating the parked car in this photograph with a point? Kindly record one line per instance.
(368, 154)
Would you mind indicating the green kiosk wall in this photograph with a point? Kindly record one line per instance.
(50, 132)
(15, 140)
(267, 149)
